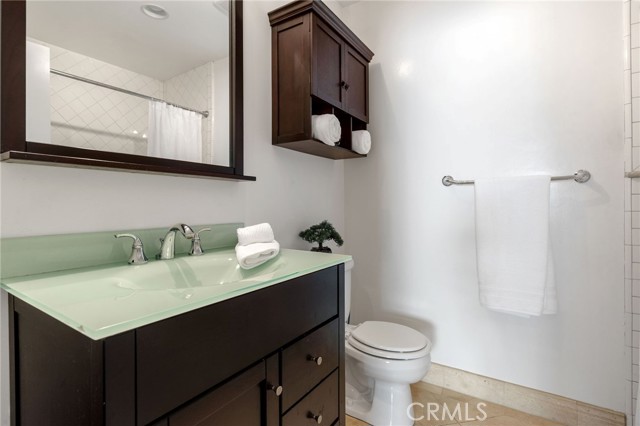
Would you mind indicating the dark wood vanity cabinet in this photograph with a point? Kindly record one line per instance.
(270, 357)
(319, 66)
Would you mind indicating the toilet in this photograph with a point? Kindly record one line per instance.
(382, 360)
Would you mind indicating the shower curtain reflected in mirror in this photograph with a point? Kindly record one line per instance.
(174, 133)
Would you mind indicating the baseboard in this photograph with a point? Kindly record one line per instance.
(542, 404)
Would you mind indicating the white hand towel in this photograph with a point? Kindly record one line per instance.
(515, 269)
(326, 128)
(361, 141)
(260, 233)
(256, 254)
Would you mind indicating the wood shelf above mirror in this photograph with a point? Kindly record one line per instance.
(319, 66)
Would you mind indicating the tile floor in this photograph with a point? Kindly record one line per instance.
(496, 415)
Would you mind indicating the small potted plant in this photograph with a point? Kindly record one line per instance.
(324, 231)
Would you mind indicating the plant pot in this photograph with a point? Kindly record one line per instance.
(322, 250)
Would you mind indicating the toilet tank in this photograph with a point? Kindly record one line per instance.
(348, 266)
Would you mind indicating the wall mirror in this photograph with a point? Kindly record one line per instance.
(138, 85)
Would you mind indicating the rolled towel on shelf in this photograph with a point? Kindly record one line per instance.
(361, 141)
(260, 233)
(326, 128)
(256, 254)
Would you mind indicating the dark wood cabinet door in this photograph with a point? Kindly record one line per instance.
(356, 77)
(328, 56)
(291, 56)
(237, 402)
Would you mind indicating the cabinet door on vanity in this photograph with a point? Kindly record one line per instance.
(328, 56)
(237, 402)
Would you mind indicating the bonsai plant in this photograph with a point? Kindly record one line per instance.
(324, 231)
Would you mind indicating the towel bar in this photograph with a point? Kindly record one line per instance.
(581, 176)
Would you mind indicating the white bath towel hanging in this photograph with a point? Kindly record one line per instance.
(515, 265)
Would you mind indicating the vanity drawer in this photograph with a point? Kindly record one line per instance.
(300, 371)
(322, 401)
(182, 357)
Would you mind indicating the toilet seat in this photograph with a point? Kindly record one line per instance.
(389, 340)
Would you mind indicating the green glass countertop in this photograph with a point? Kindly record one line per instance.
(103, 301)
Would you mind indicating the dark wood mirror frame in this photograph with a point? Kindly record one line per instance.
(15, 148)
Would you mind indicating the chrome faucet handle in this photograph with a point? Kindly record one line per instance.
(196, 246)
(137, 256)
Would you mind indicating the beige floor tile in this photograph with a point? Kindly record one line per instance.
(496, 421)
(351, 421)
(469, 414)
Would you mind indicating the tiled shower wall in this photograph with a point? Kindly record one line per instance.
(631, 25)
(92, 117)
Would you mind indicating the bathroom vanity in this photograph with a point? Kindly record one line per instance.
(254, 348)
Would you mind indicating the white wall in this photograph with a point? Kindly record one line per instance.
(293, 190)
(480, 89)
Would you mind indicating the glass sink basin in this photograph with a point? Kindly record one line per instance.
(217, 269)
(104, 301)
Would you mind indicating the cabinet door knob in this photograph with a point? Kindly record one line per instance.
(345, 85)
(276, 389)
(316, 359)
(316, 417)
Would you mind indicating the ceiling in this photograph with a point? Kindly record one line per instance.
(119, 33)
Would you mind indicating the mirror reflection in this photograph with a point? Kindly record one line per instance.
(130, 77)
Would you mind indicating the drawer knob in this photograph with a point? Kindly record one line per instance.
(316, 417)
(276, 389)
(316, 359)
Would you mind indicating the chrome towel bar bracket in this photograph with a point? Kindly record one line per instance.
(581, 176)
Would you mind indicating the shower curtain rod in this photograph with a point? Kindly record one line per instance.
(581, 176)
(128, 92)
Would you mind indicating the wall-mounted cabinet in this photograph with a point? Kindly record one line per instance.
(319, 66)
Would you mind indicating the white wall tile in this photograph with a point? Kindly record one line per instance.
(627, 121)
(627, 86)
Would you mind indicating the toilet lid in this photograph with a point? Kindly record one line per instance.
(389, 340)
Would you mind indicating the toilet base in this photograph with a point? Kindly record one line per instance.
(386, 404)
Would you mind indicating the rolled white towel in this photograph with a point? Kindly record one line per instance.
(361, 141)
(256, 254)
(260, 233)
(326, 128)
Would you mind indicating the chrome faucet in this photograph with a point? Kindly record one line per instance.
(168, 247)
